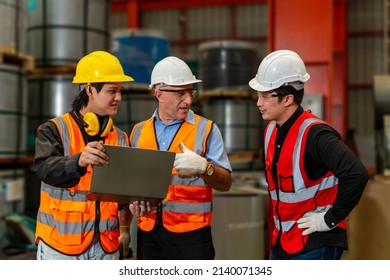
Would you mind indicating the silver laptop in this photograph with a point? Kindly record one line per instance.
(134, 174)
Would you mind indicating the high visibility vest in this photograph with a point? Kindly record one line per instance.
(188, 204)
(66, 220)
(295, 194)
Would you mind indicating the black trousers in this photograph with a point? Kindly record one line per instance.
(161, 244)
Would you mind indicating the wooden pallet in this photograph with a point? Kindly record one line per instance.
(133, 87)
(10, 56)
(25, 162)
(244, 156)
(64, 69)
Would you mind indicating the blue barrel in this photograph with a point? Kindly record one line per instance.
(139, 50)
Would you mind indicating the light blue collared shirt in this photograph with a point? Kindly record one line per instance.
(215, 153)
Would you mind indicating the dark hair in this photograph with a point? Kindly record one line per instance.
(286, 90)
(81, 99)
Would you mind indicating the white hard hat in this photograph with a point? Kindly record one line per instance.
(280, 68)
(172, 71)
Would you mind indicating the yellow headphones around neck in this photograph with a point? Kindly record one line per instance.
(97, 125)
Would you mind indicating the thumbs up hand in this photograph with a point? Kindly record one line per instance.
(188, 162)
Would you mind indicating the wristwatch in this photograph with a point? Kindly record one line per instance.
(209, 170)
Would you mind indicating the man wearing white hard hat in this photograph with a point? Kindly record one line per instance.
(180, 226)
(314, 179)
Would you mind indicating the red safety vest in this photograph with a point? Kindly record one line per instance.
(66, 219)
(295, 194)
(188, 204)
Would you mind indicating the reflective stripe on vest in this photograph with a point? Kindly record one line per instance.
(65, 219)
(188, 204)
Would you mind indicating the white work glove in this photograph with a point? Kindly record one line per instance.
(313, 222)
(188, 162)
(124, 243)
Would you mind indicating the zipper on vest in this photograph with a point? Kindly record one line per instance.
(97, 219)
(159, 214)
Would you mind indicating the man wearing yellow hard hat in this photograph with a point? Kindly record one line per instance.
(67, 147)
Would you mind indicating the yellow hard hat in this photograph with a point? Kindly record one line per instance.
(99, 67)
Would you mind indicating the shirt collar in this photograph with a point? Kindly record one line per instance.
(286, 126)
(190, 117)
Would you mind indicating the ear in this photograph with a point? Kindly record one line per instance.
(89, 89)
(158, 94)
(289, 99)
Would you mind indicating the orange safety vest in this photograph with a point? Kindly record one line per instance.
(188, 204)
(66, 220)
(294, 193)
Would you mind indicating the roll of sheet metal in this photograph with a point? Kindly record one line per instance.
(133, 109)
(238, 120)
(50, 95)
(13, 106)
(14, 22)
(227, 64)
(61, 32)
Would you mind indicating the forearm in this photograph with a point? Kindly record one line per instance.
(125, 217)
(350, 190)
(351, 173)
(220, 180)
(62, 172)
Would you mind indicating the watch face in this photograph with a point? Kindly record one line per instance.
(210, 170)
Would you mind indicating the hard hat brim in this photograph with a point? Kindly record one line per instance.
(110, 79)
(195, 81)
(258, 87)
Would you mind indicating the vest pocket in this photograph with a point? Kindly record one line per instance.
(286, 184)
(68, 224)
(293, 241)
(190, 192)
(187, 205)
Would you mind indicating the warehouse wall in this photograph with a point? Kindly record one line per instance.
(365, 59)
